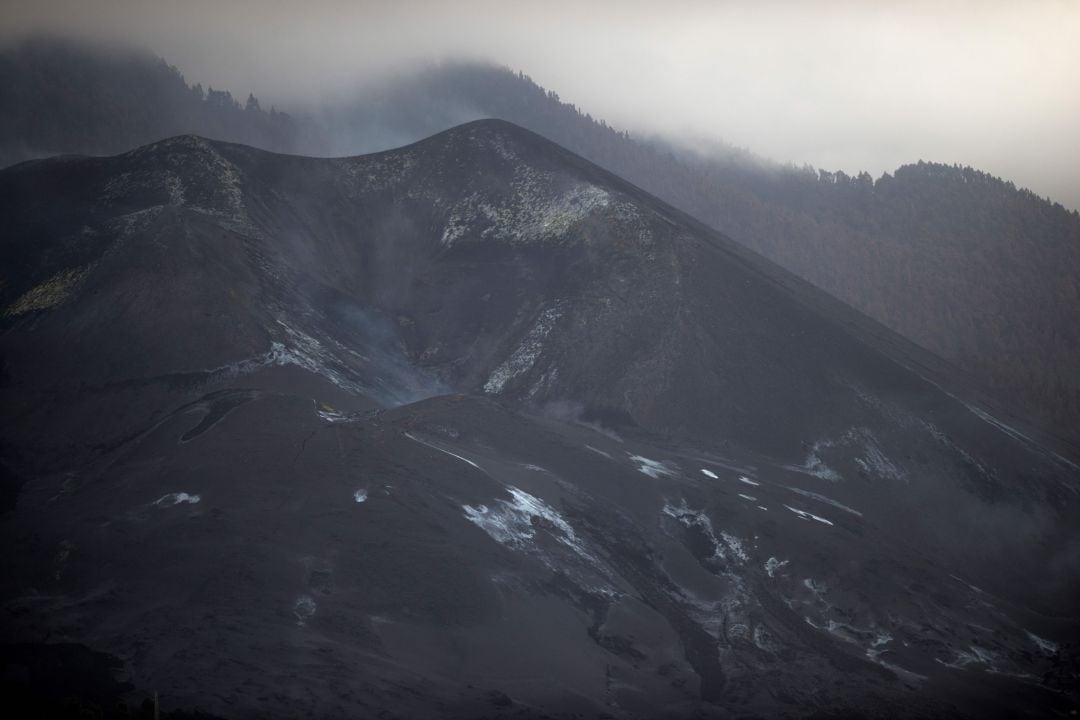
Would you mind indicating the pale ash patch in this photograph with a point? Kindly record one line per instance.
(814, 465)
(873, 640)
(526, 354)
(302, 351)
(709, 474)
(772, 565)
(176, 499)
(763, 640)
(809, 516)
(48, 294)
(725, 547)
(306, 352)
(871, 459)
(513, 522)
(875, 462)
(360, 495)
(652, 468)
(877, 645)
(534, 210)
(553, 218)
(735, 545)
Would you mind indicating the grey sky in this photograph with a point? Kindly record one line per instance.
(840, 84)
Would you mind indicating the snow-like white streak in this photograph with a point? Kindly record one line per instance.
(176, 499)
(823, 499)
(747, 481)
(598, 451)
(709, 473)
(808, 515)
(442, 450)
(652, 468)
(751, 498)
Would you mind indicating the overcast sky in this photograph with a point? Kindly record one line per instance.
(840, 84)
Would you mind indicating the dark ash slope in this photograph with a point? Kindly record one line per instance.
(473, 427)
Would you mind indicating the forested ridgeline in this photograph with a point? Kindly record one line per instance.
(58, 97)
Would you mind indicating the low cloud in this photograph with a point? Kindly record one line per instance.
(838, 84)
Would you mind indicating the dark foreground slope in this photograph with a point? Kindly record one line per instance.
(474, 428)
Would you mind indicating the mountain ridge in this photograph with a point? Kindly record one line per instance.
(974, 277)
(871, 331)
(473, 427)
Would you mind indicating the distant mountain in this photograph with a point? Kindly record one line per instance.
(962, 263)
(476, 428)
(59, 97)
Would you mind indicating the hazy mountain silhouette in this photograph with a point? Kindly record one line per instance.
(474, 427)
(963, 263)
(960, 262)
(59, 96)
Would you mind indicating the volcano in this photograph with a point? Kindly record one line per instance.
(475, 428)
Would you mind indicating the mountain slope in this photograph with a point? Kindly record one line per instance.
(475, 427)
(958, 261)
(962, 263)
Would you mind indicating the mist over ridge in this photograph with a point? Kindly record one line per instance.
(914, 249)
(836, 84)
(346, 371)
